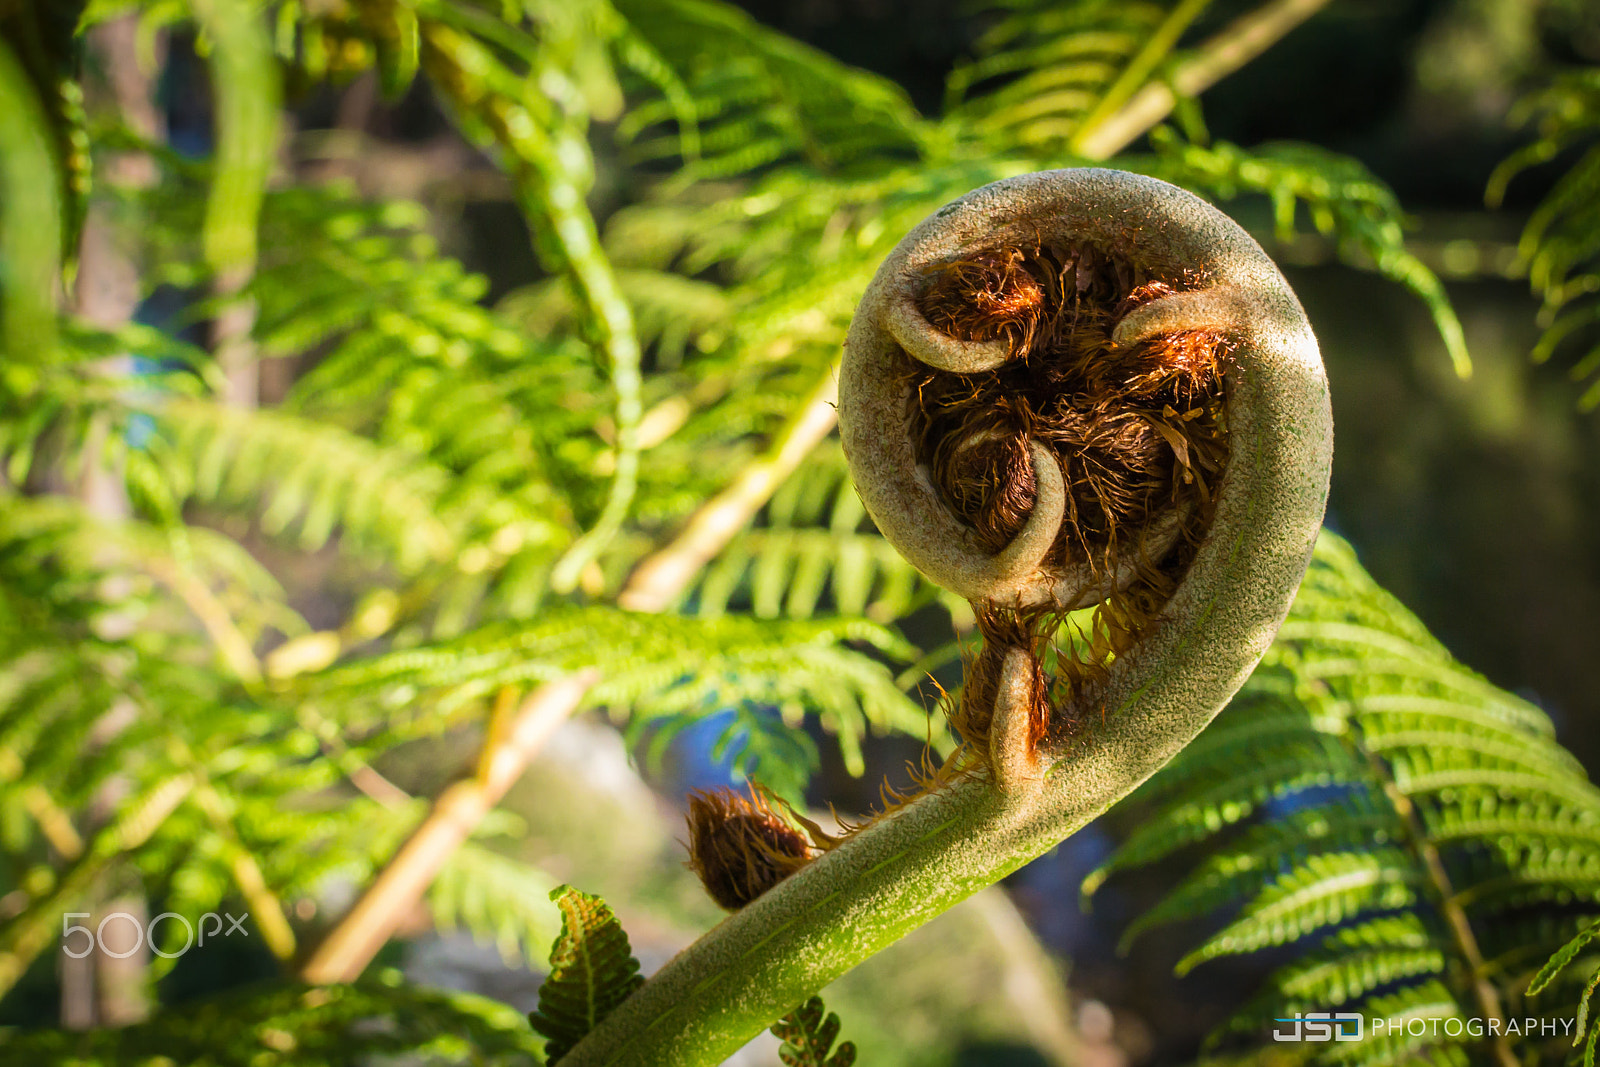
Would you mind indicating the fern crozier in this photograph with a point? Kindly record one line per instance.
(925, 857)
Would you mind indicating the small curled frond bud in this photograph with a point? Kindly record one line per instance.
(741, 846)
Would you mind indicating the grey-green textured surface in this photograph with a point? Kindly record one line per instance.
(903, 870)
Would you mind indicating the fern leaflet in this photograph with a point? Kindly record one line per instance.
(808, 1034)
(1559, 248)
(592, 970)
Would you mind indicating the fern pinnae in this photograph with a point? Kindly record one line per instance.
(1520, 719)
(1227, 801)
(244, 456)
(1324, 889)
(1059, 61)
(497, 899)
(1426, 1001)
(1346, 202)
(1483, 817)
(592, 970)
(1557, 246)
(809, 552)
(1469, 742)
(1252, 726)
(1421, 774)
(1479, 819)
(1352, 962)
(1562, 957)
(1263, 852)
(808, 1037)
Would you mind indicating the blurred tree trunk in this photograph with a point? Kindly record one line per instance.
(110, 985)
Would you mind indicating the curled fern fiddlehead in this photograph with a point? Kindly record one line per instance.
(1180, 657)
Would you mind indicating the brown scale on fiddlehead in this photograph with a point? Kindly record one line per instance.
(741, 846)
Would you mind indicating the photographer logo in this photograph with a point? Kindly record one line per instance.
(1319, 1026)
(211, 925)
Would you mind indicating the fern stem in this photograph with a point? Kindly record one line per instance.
(517, 733)
(245, 80)
(361, 774)
(662, 577)
(231, 344)
(1471, 963)
(1217, 57)
(1138, 70)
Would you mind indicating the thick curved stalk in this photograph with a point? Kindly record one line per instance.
(908, 867)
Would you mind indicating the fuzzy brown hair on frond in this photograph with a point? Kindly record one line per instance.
(1138, 430)
(992, 296)
(741, 846)
(1002, 631)
(970, 712)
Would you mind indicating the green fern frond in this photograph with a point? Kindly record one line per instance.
(808, 1034)
(1042, 69)
(427, 383)
(1267, 849)
(671, 312)
(592, 970)
(1350, 964)
(310, 477)
(1322, 890)
(496, 899)
(1558, 248)
(1563, 956)
(1345, 201)
(1422, 820)
(1552, 970)
(1429, 1002)
(293, 1026)
(809, 554)
(760, 98)
(656, 667)
(1227, 798)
